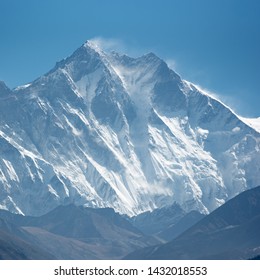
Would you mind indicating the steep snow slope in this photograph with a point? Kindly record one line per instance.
(108, 130)
(253, 122)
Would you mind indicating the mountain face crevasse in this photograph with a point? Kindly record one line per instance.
(107, 130)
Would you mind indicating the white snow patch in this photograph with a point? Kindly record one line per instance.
(71, 82)
(252, 122)
(236, 129)
(87, 85)
(51, 190)
(22, 87)
(74, 130)
(12, 174)
(203, 132)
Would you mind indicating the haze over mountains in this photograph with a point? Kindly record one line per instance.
(230, 232)
(72, 232)
(107, 130)
(69, 232)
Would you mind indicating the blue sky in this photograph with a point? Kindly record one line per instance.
(215, 44)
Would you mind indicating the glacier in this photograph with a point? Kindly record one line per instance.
(102, 129)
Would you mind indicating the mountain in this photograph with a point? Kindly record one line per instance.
(165, 223)
(74, 232)
(15, 244)
(253, 122)
(176, 229)
(108, 130)
(230, 232)
(159, 219)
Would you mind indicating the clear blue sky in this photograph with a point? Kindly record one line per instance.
(214, 43)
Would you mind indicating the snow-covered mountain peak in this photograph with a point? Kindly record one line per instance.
(103, 129)
(92, 45)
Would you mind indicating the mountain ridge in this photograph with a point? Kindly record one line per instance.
(70, 232)
(107, 130)
(229, 232)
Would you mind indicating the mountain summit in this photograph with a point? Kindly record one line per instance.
(108, 130)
